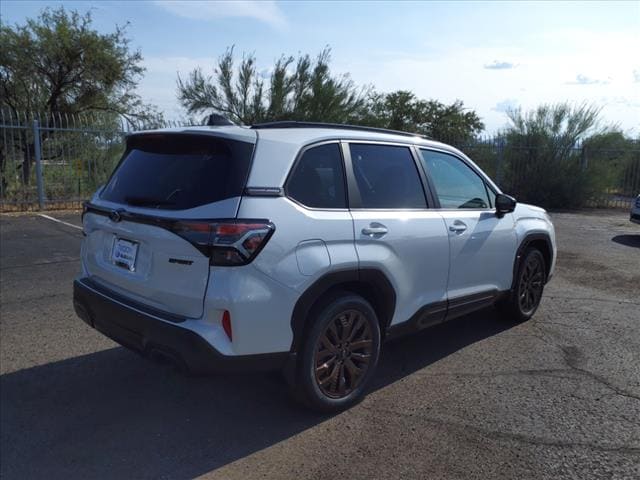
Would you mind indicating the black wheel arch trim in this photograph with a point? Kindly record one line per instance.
(382, 296)
(524, 244)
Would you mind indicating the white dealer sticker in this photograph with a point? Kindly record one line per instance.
(124, 254)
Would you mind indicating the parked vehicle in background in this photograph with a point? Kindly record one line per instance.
(302, 247)
(634, 216)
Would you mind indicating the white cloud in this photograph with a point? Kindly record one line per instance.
(505, 105)
(621, 100)
(265, 73)
(496, 65)
(265, 11)
(541, 76)
(455, 72)
(584, 80)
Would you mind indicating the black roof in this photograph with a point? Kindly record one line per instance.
(293, 124)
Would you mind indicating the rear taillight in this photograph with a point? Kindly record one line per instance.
(226, 242)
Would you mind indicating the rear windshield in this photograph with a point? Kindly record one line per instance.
(179, 171)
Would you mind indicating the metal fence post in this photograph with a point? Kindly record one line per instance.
(38, 155)
(499, 161)
(584, 160)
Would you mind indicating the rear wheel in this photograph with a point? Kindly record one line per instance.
(340, 354)
(524, 299)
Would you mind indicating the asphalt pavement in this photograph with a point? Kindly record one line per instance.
(555, 397)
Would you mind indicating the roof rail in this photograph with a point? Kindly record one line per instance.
(341, 126)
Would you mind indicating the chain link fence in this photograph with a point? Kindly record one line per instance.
(58, 161)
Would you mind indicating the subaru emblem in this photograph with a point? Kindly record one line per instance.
(115, 216)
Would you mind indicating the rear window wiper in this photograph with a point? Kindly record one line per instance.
(147, 201)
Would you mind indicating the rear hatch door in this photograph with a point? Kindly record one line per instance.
(133, 244)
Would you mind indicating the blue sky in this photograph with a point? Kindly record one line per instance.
(490, 55)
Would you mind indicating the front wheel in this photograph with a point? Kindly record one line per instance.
(524, 299)
(339, 355)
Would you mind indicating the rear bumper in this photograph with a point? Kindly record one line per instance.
(148, 333)
(634, 217)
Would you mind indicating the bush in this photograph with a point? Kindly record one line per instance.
(535, 175)
(542, 163)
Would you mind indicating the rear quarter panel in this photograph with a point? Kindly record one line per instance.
(305, 245)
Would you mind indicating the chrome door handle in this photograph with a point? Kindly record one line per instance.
(374, 229)
(457, 227)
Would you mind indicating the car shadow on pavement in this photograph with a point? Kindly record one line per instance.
(113, 414)
(628, 240)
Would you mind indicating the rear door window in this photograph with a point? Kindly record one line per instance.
(387, 176)
(317, 180)
(179, 171)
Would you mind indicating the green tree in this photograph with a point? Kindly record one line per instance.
(402, 110)
(296, 89)
(620, 155)
(57, 63)
(545, 164)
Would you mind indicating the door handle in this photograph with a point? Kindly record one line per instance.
(457, 227)
(374, 229)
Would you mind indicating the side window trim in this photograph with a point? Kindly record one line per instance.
(297, 161)
(427, 185)
(487, 186)
(353, 191)
(492, 199)
(354, 201)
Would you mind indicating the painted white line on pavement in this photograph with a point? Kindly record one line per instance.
(59, 221)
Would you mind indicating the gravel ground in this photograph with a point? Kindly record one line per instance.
(556, 397)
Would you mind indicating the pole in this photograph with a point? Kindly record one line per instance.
(499, 161)
(38, 154)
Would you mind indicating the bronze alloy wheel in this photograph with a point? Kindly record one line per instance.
(343, 354)
(531, 284)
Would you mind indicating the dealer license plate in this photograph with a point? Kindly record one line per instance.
(124, 254)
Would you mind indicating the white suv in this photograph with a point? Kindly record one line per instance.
(300, 246)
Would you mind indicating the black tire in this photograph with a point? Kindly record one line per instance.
(341, 322)
(524, 298)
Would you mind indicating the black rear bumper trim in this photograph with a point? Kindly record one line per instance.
(150, 334)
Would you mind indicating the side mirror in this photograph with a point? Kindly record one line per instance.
(504, 204)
